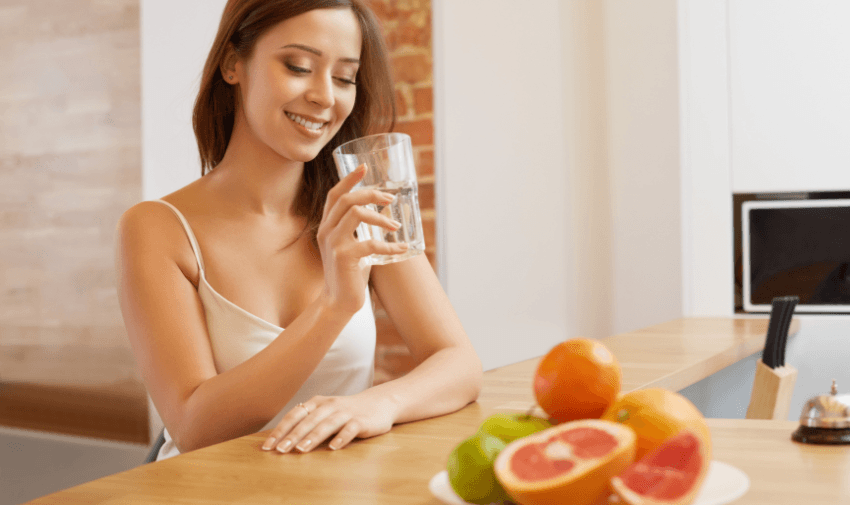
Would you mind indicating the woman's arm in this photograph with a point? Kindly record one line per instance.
(166, 326)
(447, 378)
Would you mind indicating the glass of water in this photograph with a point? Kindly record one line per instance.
(389, 168)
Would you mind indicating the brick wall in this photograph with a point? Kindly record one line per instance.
(407, 29)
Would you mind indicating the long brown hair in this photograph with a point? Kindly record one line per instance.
(242, 24)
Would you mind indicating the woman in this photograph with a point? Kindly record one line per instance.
(242, 293)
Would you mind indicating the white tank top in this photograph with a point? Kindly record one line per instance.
(236, 335)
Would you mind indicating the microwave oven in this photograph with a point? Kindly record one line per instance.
(796, 247)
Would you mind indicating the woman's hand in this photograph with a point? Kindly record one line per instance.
(309, 424)
(345, 279)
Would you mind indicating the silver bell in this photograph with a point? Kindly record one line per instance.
(825, 419)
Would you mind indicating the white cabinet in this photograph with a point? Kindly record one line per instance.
(789, 81)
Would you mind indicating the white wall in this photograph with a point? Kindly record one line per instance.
(577, 156)
(590, 277)
(502, 174)
(643, 160)
(707, 247)
(568, 167)
(176, 37)
(622, 124)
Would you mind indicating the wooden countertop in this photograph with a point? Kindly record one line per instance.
(395, 468)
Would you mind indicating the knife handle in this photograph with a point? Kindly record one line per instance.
(769, 356)
(790, 304)
(780, 324)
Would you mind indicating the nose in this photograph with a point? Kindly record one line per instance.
(321, 91)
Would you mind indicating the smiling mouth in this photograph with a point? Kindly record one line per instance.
(303, 122)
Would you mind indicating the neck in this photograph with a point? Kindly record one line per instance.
(255, 178)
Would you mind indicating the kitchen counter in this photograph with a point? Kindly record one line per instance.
(395, 468)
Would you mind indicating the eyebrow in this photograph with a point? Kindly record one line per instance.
(317, 52)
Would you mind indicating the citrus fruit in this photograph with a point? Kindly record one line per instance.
(572, 462)
(510, 427)
(669, 475)
(657, 414)
(470, 469)
(577, 379)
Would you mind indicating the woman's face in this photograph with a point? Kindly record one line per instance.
(298, 87)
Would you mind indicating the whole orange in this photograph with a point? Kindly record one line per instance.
(577, 379)
(657, 414)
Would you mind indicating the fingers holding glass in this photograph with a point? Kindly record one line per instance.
(370, 247)
(359, 214)
(357, 198)
(345, 185)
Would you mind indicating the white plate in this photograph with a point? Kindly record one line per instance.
(723, 484)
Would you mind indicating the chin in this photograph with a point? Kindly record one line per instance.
(301, 156)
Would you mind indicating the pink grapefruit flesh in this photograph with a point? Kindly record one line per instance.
(531, 462)
(589, 442)
(668, 473)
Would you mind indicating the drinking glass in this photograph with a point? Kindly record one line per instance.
(389, 168)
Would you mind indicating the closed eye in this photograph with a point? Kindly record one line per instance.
(302, 70)
(297, 70)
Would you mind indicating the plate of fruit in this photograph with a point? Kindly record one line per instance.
(594, 446)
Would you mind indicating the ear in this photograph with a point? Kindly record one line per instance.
(230, 65)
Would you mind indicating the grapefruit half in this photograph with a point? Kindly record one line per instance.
(572, 462)
(669, 475)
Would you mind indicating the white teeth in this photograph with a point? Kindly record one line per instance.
(303, 122)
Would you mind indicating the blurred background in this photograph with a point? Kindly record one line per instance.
(577, 164)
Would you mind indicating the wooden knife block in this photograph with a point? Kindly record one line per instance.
(772, 391)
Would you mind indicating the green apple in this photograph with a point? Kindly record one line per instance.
(470, 469)
(510, 427)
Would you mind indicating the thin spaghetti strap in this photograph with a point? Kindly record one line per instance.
(192, 240)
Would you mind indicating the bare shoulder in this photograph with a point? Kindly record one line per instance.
(148, 222)
(151, 230)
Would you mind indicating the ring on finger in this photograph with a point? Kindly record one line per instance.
(304, 407)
